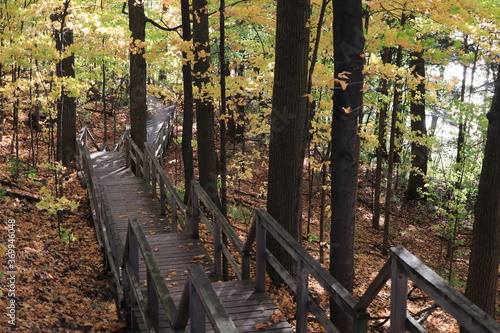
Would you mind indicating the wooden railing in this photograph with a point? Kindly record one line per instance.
(104, 225)
(85, 136)
(163, 135)
(228, 248)
(198, 298)
(163, 190)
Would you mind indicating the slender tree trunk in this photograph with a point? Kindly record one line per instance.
(381, 149)
(485, 252)
(419, 149)
(138, 108)
(207, 158)
(187, 122)
(66, 113)
(392, 156)
(349, 60)
(463, 120)
(288, 120)
(222, 123)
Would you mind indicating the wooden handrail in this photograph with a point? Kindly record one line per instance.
(399, 268)
(220, 226)
(156, 176)
(137, 245)
(199, 299)
(163, 134)
(106, 232)
(85, 134)
(306, 265)
(121, 141)
(406, 266)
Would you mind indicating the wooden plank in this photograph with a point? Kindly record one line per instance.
(448, 298)
(399, 290)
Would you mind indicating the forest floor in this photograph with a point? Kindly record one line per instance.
(61, 284)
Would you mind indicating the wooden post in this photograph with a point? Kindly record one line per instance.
(196, 310)
(153, 178)
(261, 254)
(133, 253)
(145, 163)
(153, 308)
(399, 286)
(173, 205)
(302, 295)
(127, 152)
(195, 214)
(247, 255)
(217, 248)
(163, 211)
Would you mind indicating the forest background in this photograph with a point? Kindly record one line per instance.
(429, 74)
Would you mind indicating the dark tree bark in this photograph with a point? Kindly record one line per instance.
(288, 121)
(419, 151)
(222, 122)
(138, 108)
(207, 158)
(66, 113)
(349, 60)
(485, 252)
(381, 149)
(187, 122)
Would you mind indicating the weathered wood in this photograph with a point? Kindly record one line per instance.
(302, 296)
(225, 225)
(334, 288)
(261, 237)
(217, 236)
(413, 326)
(208, 298)
(399, 290)
(448, 298)
(377, 284)
(152, 268)
(313, 307)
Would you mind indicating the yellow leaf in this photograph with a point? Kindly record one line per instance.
(342, 83)
(261, 326)
(309, 97)
(344, 74)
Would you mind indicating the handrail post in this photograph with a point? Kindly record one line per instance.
(127, 152)
(174, 214)
(152, 168)
(196, 310)
(217, 248)
(193, 212)
(247, 255)
(163, 211)
(399, 290)
(153, 307)
(302, 295)
(261, 254)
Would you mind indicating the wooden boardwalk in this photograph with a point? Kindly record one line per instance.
(129, 197)
(161, 275)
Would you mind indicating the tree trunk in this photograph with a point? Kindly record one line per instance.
(222, 112)
(396, 103)
(485, 252)
(381, 149)
(138, 108)
(349, 60)
(419, 150)
(288, 121)
(187, 121)
(66, 113)
(207, 158)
